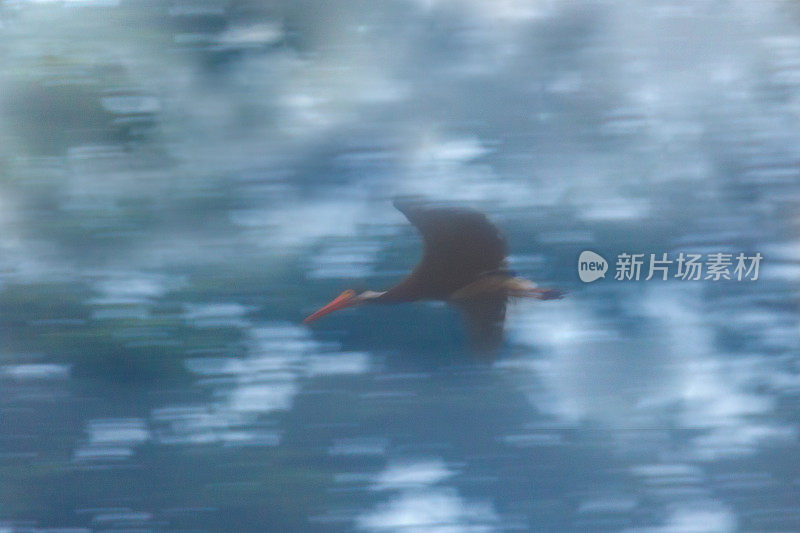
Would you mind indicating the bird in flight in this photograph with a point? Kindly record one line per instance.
(463, 263)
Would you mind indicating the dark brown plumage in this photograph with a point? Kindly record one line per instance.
(460, 245)
(463, 263)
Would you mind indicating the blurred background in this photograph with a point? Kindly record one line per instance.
(181, 182)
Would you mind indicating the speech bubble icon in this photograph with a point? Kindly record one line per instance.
(591, 266)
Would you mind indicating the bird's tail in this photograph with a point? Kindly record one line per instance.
(545, 294)
(524, 288)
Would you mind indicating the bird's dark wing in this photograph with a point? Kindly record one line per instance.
(484, 316)
(460, 244)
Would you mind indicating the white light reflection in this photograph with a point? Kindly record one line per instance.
(423, 502)
(698, 517)
(112, 439)
(593, 369)
(246, 390)
(658, 369)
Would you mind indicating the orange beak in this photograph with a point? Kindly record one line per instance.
(346, 299)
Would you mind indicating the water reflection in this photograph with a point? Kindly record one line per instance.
(672, 370)
(180, 183)
(657, 379)
(112, 439)
(265, 380)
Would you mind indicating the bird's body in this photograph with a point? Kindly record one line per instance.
(463, 263)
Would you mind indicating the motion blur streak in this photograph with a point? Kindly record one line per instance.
(181, 182)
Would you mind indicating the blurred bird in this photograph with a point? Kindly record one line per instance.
(463, 263)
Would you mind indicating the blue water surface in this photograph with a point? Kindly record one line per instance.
(182, 182)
